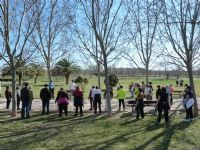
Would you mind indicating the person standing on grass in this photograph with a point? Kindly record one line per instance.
(97, 99)
(45, 96)
(62, 100)
(91, 97)
(139, 104)
(189, 103)
(8, 96)
(25, 98)
(18, 97)
(121, 96)
(72, 88)
(51, 88)
(31, 97)
(163, 105)
(171, 90)
(78, 100)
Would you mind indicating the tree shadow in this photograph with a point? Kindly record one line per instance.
(166, 134)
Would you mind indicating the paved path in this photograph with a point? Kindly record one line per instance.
(37, 106)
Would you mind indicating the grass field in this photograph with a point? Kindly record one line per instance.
(125, 81)
(120, 132)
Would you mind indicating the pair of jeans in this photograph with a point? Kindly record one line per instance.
(140, 109)
(160, 110)
(25, 109)
(97, 102)
(61, 108)
(81, 111)
(8, 103)
(45, 104)
(91, 103)
(52, 93)
(189, 113)
(18, 102)
(121, 101)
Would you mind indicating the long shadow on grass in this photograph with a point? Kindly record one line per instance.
(166, 135)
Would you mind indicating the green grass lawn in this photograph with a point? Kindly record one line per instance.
(125, 81)
(120, 132)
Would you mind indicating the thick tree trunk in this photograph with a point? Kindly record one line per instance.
(108, 100)
(14, 110)
(190, 74)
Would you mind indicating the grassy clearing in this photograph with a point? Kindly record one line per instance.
(121, 131)
(125, 81)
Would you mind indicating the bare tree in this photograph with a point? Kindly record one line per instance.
(88, 46)
(52, 31)
(17, 22)
(142, 29)
(181, 19)
(107, 23)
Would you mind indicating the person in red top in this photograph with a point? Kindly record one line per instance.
(78, 100)
(8, 96)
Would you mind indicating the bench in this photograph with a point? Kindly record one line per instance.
(132, 103)
(178, 92)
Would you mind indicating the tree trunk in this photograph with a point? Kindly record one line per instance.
(66, 79)
(14, 111)
(147, 74)
(35, 80)
(98, 75)
(190, 74)
(20, 77)
(49, 72)
(108, 101)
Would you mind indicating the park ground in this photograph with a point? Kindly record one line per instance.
(90, 132)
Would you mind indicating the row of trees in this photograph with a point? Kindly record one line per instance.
(143, 32)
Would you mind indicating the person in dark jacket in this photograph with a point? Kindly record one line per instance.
(45, 96)
(158, 91)
(163, 105)
(25, 98)
(8, 96)
(78, 100)
(62, 105)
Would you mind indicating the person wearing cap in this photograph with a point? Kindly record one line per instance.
(25, 98)
(45, 96)
(121, 96)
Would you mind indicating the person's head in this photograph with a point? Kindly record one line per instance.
(17, 88)
(72, 81)
(186, 85)
(140, 89)
(163, 89)
(26, 84)
(189, 88)
(7, 87)
(97, 87)
(93, 87)
(30, 87)
(158, 86)
(51, 81)
(77, 88)
(45, 85)
(121, 87)
(167, 86)
(61, 89)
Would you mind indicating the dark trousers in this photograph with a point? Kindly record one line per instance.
(97, 102)
(52, 93)
(121, 101)
(189, 113)
(171, 99)
(165, 109)
(61, 108)
(45, 104)
(8, 103)
(140, 110)
(18, 102)
(81, 111)
(91, 103)
(25, 109)
(30, 105)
